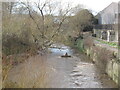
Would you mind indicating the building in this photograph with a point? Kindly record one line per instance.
(108, 20)
(109, 15)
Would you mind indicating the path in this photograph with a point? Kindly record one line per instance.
(114, 49)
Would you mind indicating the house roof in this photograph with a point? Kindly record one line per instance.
(112, 5)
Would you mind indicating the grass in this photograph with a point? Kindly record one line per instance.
(9, 62)
(113, 44)
(29, 76)
(118, 47)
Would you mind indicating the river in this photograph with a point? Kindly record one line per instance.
(54, 71)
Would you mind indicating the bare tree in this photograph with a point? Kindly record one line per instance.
(45, 11)
(7, 7)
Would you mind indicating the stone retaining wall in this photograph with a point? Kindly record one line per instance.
(111, 66)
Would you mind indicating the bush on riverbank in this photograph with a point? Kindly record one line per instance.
(79, 45)
(17, 34)
(17, 41)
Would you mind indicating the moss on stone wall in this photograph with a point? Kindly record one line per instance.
(111, 66)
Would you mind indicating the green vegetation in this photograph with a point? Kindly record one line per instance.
(79, 45)
(118, 47)
(113, 44)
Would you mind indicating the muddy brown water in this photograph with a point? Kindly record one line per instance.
(53, 71)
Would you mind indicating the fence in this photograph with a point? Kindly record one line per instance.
(106, 26)
(107, 32)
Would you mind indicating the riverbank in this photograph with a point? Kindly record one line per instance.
(53, 71)
(11, 61)
(104, 58)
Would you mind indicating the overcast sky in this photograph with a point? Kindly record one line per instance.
(95, 5)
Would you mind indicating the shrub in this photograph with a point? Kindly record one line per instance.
(103, 55)
(79, 45)
(13, 44)
(88, 42)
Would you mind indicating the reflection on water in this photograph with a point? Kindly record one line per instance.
(61, 50)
